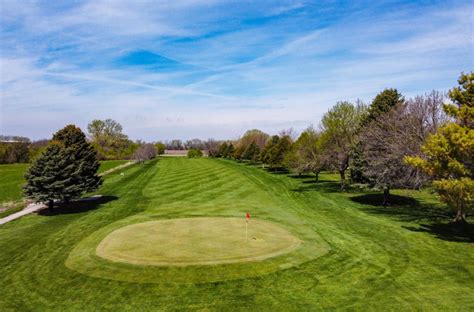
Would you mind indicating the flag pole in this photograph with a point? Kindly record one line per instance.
(246, 231)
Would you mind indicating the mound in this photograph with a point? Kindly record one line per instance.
(196, 241)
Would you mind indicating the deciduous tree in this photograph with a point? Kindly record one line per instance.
(448, 154)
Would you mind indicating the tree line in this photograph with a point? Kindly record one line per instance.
(393, 142)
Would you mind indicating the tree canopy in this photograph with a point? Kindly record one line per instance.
(65, 170)
(448, 154)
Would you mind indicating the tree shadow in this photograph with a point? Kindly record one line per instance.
(321, 185)
(277, 170)
(453, 232)
(78, 206)
(403, 208)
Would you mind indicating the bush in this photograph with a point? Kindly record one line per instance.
(193, 153)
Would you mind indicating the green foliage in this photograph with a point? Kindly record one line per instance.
(340, 126)
(194, 153)
(252, 153)
(306, 154)
(226, 150)
(14, 152)
(109, 141)
(65, 170)
(448, 154)
(275, 150)
(382, 103)
(160, 148)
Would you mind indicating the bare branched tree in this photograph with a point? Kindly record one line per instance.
(396, 134)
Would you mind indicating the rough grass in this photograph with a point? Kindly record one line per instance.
(196, 241)
(12, 178)
(106, 165)
(394, 258)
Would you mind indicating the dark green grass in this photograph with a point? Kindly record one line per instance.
(393, 258)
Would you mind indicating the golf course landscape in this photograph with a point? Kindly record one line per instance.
(169, 234)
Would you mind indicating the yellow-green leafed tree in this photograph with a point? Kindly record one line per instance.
(448, 154)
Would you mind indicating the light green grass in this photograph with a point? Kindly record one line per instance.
(12, 178)
(106, 165)
(353, 255)
(196, 241)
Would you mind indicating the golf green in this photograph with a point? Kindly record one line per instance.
(196, 241)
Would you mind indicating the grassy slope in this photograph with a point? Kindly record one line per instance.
(109, 164)
(11, 178)
(379, 258)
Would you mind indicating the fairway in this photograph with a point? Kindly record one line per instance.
(196, 241)
(315, 248)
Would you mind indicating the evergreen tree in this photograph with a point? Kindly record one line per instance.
(252, 152)
(383, 102)
(448, 154)
(65, 170)
(50, 174)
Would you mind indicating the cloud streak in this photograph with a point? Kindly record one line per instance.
(246, 65)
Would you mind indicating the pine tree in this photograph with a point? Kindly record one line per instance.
(49, 175)
(252, 152)
(448, 154)
(65, 170)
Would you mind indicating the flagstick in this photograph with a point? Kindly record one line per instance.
(246, 231)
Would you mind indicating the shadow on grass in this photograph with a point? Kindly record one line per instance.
(78, 206)
(448, 231)
(432, 219)
(403, 208)
(321, 185)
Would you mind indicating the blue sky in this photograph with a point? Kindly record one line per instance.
(206, 68)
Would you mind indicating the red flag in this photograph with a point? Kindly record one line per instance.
(247, 216)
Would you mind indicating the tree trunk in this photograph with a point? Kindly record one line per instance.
(51, 205)
(460, 217)
(316, 173)
(342, 173)
(386, 196)
(66, 200)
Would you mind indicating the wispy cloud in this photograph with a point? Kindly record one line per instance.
(214, 68)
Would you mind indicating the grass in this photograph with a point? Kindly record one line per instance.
(11, 178)
(196, 241)
(354, 255)
(106, 165)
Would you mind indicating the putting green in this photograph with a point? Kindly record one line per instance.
(196, 241)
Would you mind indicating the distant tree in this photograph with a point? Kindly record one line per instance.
(145, 152)
(160, 148)
(307, 154)
(383, 103)
(109, 141)
(229, 153)
(340, 126)
(194, 153)
(396, 134)
(36, 148)
(14, 149)
(275, 150)
(65, 170)
(252, 153)
(223, 149)
(175, 145)
(212, 147)
(256, 136)
(448, 154)
(239, 151)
